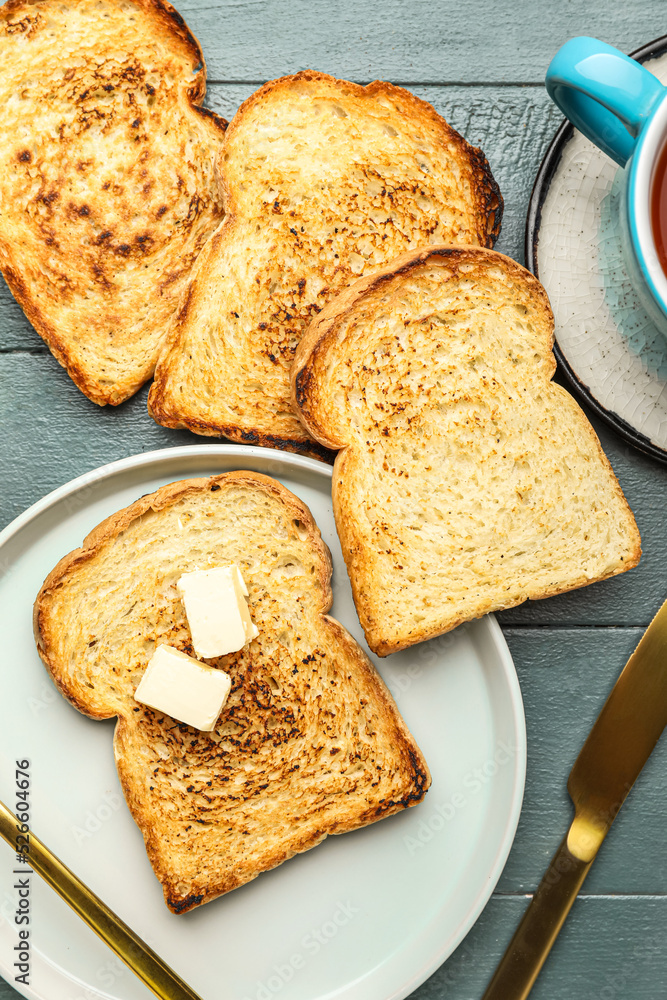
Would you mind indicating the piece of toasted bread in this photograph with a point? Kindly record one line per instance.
(324, 180)
(107, 179)
(310, 741)
(468, 482)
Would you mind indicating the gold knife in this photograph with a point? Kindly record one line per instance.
(625, 732)
(136, 954)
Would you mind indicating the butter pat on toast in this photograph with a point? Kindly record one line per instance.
(107, 179)
(467, 480)
(309, 743)
(324, 181)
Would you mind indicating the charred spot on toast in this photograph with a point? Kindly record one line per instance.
(118, 81)
(307, 447)
(283, 444)
(422, 779)
(302, 383)
(25, 26)
(491, 199)
(207, 113)
(178, 905)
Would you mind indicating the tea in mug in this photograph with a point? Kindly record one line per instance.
(659, 207)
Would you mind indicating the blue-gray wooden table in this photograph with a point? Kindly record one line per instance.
(481, 64)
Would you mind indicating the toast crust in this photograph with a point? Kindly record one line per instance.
(225, 368)
(187, 809)
(321, 357)
(103, 216)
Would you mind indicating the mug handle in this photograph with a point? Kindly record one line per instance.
(604, 93)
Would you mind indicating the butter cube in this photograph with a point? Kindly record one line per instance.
(216, 609)
(180, 686)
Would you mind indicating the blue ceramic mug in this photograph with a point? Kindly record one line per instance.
(622, 108)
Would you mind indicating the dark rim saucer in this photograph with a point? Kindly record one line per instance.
(533, 220)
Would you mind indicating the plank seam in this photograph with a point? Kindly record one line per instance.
(400, 83)
(564, 626)
(24, 350)
(500, 894)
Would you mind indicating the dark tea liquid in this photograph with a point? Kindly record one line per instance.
(659, 207)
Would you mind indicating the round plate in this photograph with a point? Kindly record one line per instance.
(611, 352)
(365, 916)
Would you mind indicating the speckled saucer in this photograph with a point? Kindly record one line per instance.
(608, 347)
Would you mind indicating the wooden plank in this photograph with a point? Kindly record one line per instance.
(16, 333)
(52, 433)
(416, 41)
(565, 676)
(611, 948)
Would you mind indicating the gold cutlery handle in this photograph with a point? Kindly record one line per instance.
(539, 927)
(136, 954)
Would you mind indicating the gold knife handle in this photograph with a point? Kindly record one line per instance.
(539, 927)
(136, 954)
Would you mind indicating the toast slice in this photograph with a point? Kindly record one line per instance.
(310, 741)
(324, 180)
(107, 179)
(467, 481)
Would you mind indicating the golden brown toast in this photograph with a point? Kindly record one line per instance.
(310, 742)
(324, 181)
(467, 481)
(107, 179)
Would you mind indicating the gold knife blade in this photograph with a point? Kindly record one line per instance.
(619, 744)
(136, 954)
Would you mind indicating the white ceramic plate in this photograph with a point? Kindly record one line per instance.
(367, 915)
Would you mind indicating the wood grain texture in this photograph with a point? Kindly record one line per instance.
(611, 948)
(565, 677)
(406, 40)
